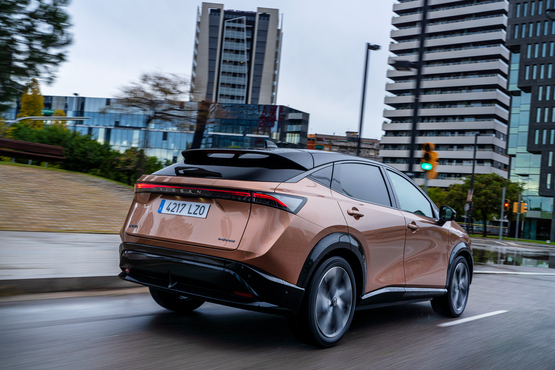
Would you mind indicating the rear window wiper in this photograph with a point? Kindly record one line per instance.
(195, 172)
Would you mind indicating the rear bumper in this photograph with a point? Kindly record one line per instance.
(208, 278)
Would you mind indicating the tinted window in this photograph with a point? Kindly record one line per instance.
(410, 197)
(322, 176)
(360, 181)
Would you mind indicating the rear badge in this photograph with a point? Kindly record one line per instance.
(226, 240)
(134, 226)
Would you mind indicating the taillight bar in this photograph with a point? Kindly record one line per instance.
(289, 203)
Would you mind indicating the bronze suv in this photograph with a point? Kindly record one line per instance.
(307, 234)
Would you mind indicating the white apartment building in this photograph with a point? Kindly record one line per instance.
(463, 90)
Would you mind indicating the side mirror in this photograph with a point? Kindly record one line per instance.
(446, 214)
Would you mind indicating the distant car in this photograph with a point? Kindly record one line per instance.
(308, 234)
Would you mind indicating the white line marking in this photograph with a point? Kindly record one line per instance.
(514, 273)
(462, 321)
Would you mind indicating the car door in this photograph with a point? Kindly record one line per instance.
(366, 204)
(427, 243)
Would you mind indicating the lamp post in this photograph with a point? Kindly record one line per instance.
(406, 65)
(368, 48)
(470, 227)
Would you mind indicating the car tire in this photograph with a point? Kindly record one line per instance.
(454, 302)
(329, 304)
(175, 302)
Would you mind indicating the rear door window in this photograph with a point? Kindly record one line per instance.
(410, 197)
(361, 181)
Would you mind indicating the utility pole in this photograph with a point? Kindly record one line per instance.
(501, 219)
(517, 218)
(471, 191)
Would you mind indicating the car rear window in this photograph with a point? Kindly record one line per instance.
(235, 165)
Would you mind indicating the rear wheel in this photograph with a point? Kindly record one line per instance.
(175, 302)
(329, 304)
(454, 302)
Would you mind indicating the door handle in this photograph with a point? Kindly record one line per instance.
(355, 213)
(413, 226)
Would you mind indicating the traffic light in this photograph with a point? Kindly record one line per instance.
(515, 207)
(506, 205)
(429, 160)
(523, 207)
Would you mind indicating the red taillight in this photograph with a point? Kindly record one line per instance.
(287, 203)
(241, 294)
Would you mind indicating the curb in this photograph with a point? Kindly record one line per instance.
(57, 285)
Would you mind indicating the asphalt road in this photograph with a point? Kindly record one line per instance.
(131, 332)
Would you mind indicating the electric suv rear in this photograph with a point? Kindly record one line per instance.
(308, 234)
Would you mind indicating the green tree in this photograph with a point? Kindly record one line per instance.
(33, 36)
(488, 191)
(32, 104)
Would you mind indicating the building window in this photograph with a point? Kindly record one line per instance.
(551, 48)
(523, 30)
(525, 10)
(548, 92)
(534, 71)
(540, 3)
(550, 159)
(532, 8)
(546, 114)
(544, 137)
(540, 93)
(531, 30)
(517, 11)
(546, 28)
(537, 137)
(548, 181)
(527, 73)
(538, 29)
(552, 139)
(542, 71)
(529, 51)
(544, 49)
(538, 115)
(515, 31)
(536, 50)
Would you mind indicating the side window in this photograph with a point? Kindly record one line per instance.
(322, 176)
(410, 198)
(361, 181)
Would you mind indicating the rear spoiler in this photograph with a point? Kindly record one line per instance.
(269, 158)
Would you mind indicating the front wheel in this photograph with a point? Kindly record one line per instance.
(175, 302)
(329, 304)
(454, 302)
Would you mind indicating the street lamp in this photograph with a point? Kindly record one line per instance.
(405, 65)
(368, 48)
(470, 227)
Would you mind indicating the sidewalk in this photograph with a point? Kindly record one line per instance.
(46, 262)
(42, 262)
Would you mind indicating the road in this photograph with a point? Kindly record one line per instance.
(131, 332)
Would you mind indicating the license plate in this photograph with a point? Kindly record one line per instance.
(178, 207)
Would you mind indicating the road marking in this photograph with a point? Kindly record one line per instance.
(515, 273)
(472, 318)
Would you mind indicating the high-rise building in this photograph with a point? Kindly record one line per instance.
(237, 55)
(532, 126)
(463, 91)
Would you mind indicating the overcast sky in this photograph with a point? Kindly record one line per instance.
(321, 63)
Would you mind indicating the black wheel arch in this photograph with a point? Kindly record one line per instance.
(337, 244)
(461, 249)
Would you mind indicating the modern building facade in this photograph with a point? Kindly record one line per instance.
(369, 148)
(532, 125)
(463, 91)
(237, 125)
(237, 55)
